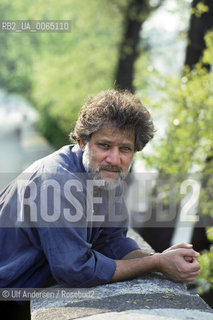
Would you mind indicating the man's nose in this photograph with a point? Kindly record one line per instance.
(113, 157)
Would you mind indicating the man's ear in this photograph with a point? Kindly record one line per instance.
(82, 144)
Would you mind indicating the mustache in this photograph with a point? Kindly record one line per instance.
(111, 168)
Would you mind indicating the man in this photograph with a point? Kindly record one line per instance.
(65, 219)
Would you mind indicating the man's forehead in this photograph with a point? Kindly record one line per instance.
(109, 132)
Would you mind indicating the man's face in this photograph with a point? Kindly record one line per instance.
(109, 153)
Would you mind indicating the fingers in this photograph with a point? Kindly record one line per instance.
(195, 266)
(181, 245)
(189, 259)
(187, 267)
(183, 278)
(190, 272)
(189, 253)
(189, 277)
(180, 264)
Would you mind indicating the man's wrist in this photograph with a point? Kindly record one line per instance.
(152, 253)
(156, 261)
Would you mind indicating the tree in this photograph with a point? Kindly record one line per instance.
(57, 71)
(201, 22)
(135, 14)
(187, 148)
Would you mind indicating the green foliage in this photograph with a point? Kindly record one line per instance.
(205, 280)
(208, 53)
(57, 71)
(188, 138)
(199, 9)
(187, 146)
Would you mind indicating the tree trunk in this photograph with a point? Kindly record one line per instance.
(135, 14)
(199, 25)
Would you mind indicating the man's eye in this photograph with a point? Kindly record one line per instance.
(103, 145)
(126, 149)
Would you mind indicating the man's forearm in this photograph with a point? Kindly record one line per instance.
(137, 254)
(127, 269)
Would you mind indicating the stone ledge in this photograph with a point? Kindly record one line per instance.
(151, 297)
(126, 300)
(156, 314)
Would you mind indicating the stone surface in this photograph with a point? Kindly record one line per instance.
(140, 241)
(124, 300)
(156, 314)
(151, 297)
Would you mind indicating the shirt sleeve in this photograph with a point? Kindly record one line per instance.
(72, 260)
(112, 240)
(113, 243)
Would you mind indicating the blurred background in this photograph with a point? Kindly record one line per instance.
(162, 50)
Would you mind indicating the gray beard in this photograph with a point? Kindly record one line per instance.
(108, 184)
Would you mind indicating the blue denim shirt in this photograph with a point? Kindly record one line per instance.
(44, 247)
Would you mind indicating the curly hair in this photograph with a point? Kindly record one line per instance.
(121, 109)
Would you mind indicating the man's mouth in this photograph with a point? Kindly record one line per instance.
(110, 169)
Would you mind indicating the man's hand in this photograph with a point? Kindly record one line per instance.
(179, 263)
